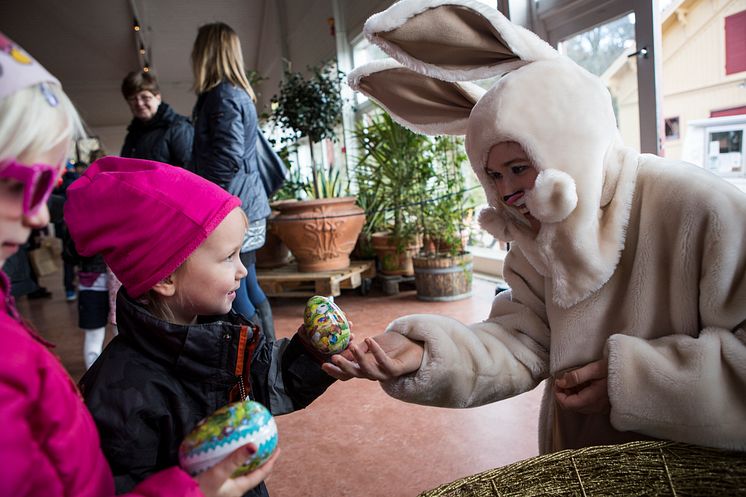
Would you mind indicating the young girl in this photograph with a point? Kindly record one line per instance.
(225, 136)
(48, 442)
(173, 240)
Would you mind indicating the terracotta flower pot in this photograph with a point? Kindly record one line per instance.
(320, 233)
(274, 253)
(394, 261)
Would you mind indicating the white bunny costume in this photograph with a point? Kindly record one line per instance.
(638, 258)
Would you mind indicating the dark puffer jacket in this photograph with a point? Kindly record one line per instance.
(156, 380)
(167, 137)
(225, 127)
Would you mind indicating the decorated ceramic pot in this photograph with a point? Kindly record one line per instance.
(327, 325)
(224, 431)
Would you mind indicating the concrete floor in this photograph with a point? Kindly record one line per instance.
(355, 440)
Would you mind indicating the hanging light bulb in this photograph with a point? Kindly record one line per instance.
(136, 25)
(142, 49)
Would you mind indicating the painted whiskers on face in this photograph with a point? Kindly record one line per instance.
(513, 175)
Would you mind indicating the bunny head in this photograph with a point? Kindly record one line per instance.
(560, 114)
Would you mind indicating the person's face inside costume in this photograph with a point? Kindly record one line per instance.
(514, 175)
(144, 105)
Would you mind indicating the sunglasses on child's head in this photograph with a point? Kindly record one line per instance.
(37, 180)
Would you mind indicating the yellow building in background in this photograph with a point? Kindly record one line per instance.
(703, 88)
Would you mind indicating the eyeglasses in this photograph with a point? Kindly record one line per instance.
(37, 179)
(146, 99)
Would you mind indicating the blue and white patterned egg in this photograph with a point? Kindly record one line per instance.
(224, 431)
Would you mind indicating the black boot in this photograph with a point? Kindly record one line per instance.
(265, 315)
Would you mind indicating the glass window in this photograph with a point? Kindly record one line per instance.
(604, 51)
(725, 154)
(672, 128)
(362, 53)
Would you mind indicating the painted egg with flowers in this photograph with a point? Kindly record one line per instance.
(230, 427)
(326, 324)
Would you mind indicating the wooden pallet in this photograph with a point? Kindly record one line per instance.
(286, 281)
(391, 284)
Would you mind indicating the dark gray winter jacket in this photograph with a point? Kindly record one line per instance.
(167, 137)
(225, 127)
(156, 380)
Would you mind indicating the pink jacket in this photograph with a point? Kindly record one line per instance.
(49, 445)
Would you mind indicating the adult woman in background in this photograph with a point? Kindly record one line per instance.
(156, 131)
(225, 134)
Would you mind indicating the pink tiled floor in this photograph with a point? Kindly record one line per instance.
(355, 440)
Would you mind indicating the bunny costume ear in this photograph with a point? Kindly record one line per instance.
(424, 105)
(558, 113)
(454, 40)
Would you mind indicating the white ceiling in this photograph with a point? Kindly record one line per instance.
(90, 44)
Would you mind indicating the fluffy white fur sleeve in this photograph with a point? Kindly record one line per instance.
(467, 366)
(692, 388)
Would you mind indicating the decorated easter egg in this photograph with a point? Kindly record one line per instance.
(326, 324)
(224, 431)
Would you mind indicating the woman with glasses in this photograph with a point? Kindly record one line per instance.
(156, 131)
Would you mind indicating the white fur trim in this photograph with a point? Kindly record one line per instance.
(455, 127)
(523, 43)
(553, 196)
(491, 220)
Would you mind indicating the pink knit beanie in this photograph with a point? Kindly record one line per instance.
(144, 217)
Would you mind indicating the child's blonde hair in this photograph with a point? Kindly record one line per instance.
(154, 301)
(217, 57)
(30, 125)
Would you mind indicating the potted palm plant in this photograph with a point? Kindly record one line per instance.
(443, 269)
(392, 163)
(320, 230)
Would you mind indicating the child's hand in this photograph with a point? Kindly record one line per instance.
(584, 389)
(217, 481)
(381, 358)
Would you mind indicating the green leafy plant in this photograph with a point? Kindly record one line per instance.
(389, 176)
(448, 204)
(311, 106)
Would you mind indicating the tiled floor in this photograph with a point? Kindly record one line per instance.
(355, 440)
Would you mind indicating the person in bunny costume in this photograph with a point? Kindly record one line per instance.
(627, 271)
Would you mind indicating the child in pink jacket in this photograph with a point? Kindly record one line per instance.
(49, 445)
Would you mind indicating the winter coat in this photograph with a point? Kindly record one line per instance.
(671, 320)
(638, 259)
(167, 137)
(156, 380)
(49, 445)
(225, 135)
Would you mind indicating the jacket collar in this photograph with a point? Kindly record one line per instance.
(216, 348)
(163, 117)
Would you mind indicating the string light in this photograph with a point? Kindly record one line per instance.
(142, 50)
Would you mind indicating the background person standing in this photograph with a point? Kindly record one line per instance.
(225, 135)
(156, 132)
